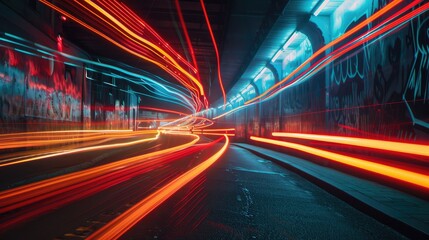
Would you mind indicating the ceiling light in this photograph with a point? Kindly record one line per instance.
(290, 40)
(277, 55)
(321, 7)
(260, 74)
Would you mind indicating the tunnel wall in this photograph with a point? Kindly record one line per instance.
(380, 90)
(50, 92)
(36, 90)
(37, 93)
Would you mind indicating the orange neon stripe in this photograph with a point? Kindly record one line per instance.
(409, 148)
(132, 24)
(120, 225)
(385, 170)
(64, 131)
(118, 23)
(120, 30)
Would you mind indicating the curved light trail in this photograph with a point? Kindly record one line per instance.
(24, 159)
(408, 148)
(407, 176)
(349, 33)
(374, 34)
(219, 75)
(120, 225)
(34, 139)
(165, 91)
(188, 39)
(137, 45)
(35, 199)
(38, 191)
(385, 27)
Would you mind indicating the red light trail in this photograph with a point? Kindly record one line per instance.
(117, 24)
(373, 33)
(219, 75)
(73, 186)
(188, 39)
(120, 225)
(408, 148)
(415, 178)
(42, 154)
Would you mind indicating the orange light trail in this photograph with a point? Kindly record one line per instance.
(139, 23)
(409, 148)
(158, 120)
(135, 45)
(355, 29)
(56, 196)
(120, 225)
(63, 131)
(21, 196)
(9, 162)
(188, 122)
(219, 129)
(34, 140)
(204, 122)
(375, 32)
(133, 34)
(382, 169)
(339, 52)
(101, 34)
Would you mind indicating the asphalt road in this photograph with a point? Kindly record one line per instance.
(24, 173)
(79, 218)
(246, 197)
(241, 197)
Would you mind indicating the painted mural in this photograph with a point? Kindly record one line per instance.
(108, 107)
(51, 94)
(347, 80)
(378, 89)
(383, 89)
(36, 89)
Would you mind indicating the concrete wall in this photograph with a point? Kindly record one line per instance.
(380, 89)
(46, 90)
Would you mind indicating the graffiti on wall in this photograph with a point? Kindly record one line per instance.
(383, 88)
(379, 89)
(416, 93)
(347, 83)
(37, 88)
(11, 87)
(109, 107)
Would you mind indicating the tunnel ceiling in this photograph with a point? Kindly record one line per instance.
(248, 32)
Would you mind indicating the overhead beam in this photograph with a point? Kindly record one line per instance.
(271, 17)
